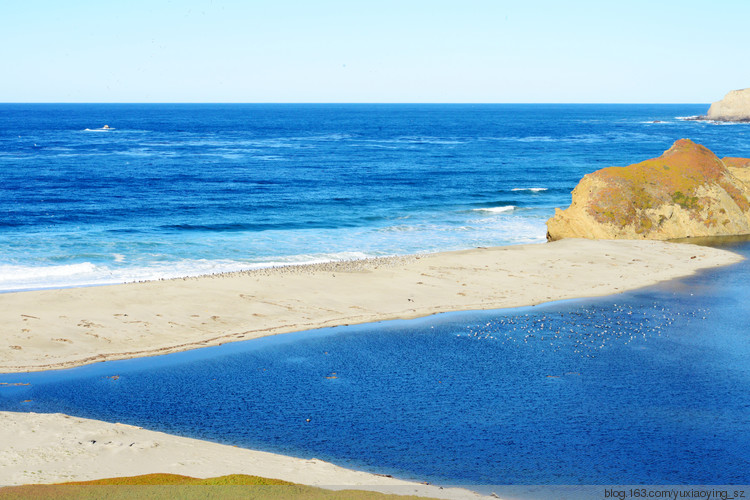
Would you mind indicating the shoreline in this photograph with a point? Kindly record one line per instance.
(54, 448)
(49, 448)
(68, 327)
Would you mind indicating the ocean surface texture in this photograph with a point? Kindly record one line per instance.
(176, 190)
(648, 387)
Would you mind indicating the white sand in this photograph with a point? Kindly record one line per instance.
(69, 327)
(50, 448)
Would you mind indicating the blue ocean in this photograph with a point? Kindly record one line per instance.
(646, 387)
(178, 190)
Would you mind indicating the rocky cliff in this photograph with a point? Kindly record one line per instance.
(734, 107)
(688, 191)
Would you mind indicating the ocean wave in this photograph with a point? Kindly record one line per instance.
(533, 190)
(249, 227)
(701, 119)
(496, 210)
(416, 140)
(18, 278)
(571, 139)
(336, 136)
(725, 123)
(103, 129)
(535, 138)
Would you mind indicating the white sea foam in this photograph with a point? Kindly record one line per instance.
(14, 277)
(413, 140)
(17, 278)
(496, 210)
(698, 119)
(574, 139)
(727, 123)
(98, 129)
(534, 138)
(533, 190)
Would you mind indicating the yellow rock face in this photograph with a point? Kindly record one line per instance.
(686, 192)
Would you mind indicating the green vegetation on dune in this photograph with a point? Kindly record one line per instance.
(174, 479)
(169, 486)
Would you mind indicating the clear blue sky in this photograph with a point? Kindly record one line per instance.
(373, 51)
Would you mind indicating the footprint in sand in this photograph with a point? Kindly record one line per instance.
(91, 334)
(89, 324)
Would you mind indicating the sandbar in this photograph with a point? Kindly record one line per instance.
(62, 328)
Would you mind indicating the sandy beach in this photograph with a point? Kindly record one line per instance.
(52, 448)
(54, 329)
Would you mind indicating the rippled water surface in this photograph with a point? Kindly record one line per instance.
(648, 387)
(176, 190)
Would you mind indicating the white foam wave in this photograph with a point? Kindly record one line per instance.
(701, 119)
(573, 139)
(414, 140)
(727, 123)
(326, 137)
(18, 278)
(98, 129)
(534, 138)
(496, 210)
(533, 190)
(15, 277)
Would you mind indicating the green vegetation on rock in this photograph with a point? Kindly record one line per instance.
(679, 194)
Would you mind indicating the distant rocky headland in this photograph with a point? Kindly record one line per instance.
(686, 192)
(735, 107)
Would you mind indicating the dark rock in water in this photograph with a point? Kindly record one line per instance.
(686, 192)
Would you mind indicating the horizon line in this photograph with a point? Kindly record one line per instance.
(354, 102)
